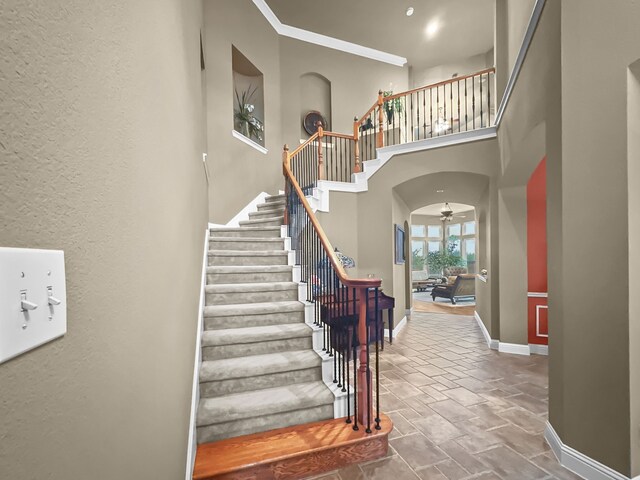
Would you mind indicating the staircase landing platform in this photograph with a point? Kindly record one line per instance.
(291, 453)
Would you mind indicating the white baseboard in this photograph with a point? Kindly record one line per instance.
(514, 348)
(397, 328)
(491, 343)
(536, 349)
(577, 462)
(195, 389)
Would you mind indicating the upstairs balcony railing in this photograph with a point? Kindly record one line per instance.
(456, 105)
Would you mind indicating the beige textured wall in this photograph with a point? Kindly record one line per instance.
(100, 155)
(240, 172)
(400, 215)
(355, 82)
(594, 170)
(467, 66)
(633, 163)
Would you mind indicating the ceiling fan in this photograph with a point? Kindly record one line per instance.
(446, 213)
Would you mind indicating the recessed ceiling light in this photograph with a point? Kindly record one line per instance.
(409, 11)
(432, 28)
(439, 191)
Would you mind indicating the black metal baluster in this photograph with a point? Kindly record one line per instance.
(418, 111)
(451, 106)
(355, 370)
(348, 353)
(466, 107)
(458, 84)
(430, 115)
(378, 340)
(437, 109)
(473, 101)
(368, 371)
(481, 103)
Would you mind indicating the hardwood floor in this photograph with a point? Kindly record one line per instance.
(291, 453)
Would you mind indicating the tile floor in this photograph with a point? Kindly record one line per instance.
(460, 410)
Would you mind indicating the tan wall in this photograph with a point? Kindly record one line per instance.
(467, 66)
(240, 172)
(400, 215)
(355, 82)
(594, 170)
(101, 156)
(633, 163)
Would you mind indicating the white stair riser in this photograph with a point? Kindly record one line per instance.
(239, 385)
(235, 298)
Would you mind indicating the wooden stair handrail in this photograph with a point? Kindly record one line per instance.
(426, 87)
(326, 244)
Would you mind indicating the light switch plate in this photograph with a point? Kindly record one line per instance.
(32, 275)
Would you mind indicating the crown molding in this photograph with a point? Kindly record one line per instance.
(325, 41)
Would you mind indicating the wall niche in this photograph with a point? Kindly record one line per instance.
(315, 95)
(248, 98)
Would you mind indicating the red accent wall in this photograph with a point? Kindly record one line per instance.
(537, 253)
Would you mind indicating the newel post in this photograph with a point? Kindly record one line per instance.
(286, 163)
(320, 157)
(380, 142)
(364, 392)
(356, 149)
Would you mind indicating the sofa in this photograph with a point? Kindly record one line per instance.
(463, 286)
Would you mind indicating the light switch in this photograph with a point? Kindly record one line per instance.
(33, 299)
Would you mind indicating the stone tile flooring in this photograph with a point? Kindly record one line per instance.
(460, 410)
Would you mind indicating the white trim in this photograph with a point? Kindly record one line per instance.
(537, 294)
(538, 308)
(491, 343)
(325, 41)
(249, 142)
(195, 388)
(514, 348)
(537, 349)
(578, 462)
(243, 214)
(524, 48)
(397, 328)
(482, 278)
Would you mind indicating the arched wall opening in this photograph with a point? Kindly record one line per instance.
(315, 95)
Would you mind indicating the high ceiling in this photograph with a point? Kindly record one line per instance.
(438, 32)
(437, 207)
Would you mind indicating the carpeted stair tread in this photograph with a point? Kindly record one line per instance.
(272, 205)
(214, 230)
(256, 365)
(250, 287)
(247, 253)
(235, 336)
(247, 240)
(261, 403)
(249, 269)
(252, 308)
(275, 198)
(258, 221)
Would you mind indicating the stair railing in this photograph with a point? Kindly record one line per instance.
(346, 308)
(456, 105)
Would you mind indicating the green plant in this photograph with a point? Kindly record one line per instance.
(417, 260)
(438, 261)
(395, 104)
(248, 124)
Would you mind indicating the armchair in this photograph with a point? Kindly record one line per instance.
(464, 286)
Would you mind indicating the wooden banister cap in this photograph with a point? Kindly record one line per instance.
(286, 147)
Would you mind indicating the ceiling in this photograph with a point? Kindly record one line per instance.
(435, 209)
(463, 27)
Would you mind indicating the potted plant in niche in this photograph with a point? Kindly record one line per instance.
(392, 105)
(245, 121)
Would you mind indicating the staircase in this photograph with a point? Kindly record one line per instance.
(259, 370)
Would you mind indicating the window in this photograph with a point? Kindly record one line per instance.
(417, 247)
(469, 228)
(454, 230)
(433, 246)
(418, 230)
(455, 249)
(433, 231)
(470, 249)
